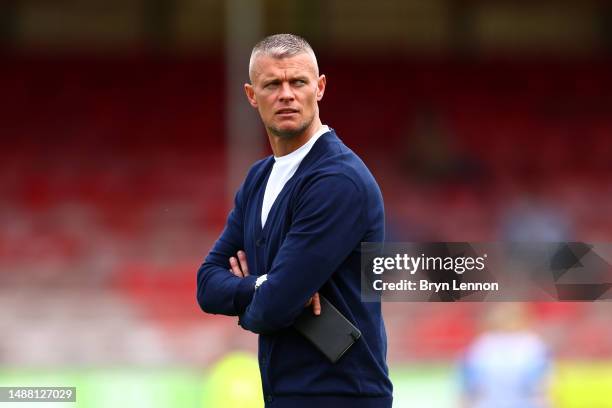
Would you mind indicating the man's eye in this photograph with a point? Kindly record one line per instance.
(299, 82)
(271, 85)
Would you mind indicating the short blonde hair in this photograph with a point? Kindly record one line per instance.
(281, 46)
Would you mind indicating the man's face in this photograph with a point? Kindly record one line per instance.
(286, 92)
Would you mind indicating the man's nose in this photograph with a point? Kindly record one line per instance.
(286, 93)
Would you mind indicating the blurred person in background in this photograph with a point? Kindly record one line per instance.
(508, 366)
(295, 232)
(534, 216)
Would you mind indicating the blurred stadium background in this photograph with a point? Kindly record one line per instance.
(124, 134)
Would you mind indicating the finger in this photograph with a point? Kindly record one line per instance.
(243, 263)
(235, 268)
(316, 304)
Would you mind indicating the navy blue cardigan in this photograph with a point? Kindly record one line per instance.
(311, 242)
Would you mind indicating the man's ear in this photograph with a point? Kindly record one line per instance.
(250, 94)
(321, 87)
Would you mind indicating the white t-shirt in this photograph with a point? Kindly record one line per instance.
(283, 169)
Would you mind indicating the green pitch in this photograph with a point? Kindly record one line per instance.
(234, 382)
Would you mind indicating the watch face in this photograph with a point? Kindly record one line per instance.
(260, 280)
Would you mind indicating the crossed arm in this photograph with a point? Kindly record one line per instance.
(240, 269)
(328, 224)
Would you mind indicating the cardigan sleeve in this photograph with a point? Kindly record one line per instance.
(328, 224)
(218, 290)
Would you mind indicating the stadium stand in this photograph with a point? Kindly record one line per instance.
(125, 159)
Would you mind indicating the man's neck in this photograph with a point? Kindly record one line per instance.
(282, 146)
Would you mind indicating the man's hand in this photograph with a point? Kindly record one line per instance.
(240, 268)
(316, 304)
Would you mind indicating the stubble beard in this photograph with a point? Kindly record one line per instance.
(290, 133)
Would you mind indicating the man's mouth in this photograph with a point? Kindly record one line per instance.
(286, 111)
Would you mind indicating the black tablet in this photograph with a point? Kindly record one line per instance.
(330, 332)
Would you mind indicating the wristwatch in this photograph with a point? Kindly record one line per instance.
(261, 280)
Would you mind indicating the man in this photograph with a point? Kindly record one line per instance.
(507, 366)
(295, 231)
